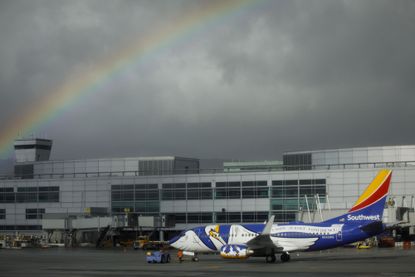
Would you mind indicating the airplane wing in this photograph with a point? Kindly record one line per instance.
(292, 244)
(392, 225)
(263, 241)
(373, 227)
(264, 244)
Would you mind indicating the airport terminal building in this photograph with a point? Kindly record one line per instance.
(178, 187)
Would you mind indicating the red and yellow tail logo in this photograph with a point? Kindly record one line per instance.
(375, 191)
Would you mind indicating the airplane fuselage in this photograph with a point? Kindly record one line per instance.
(362, 221)
(286, 237)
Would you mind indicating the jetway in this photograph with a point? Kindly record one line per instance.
(82, 223)
(73, 229)
(397, 210)
(128, 221)
(391, 215)
(399, 214)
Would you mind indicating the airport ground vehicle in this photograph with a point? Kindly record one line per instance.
(158, 257)
(144, 242)
(363, 245)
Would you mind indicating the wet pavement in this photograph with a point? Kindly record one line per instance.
(106, 262)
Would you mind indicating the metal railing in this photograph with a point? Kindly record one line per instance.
(366, 165)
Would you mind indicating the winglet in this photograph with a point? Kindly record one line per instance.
(268, 226)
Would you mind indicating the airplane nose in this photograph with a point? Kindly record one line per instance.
(175, 245)
(175, 241)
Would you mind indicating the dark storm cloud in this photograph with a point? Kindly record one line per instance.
(283, 75)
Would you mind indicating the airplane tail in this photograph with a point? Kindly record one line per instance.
(369, 207)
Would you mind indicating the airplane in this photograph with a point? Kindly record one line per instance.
(240, 241)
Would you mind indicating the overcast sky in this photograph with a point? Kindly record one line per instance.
(276, 76)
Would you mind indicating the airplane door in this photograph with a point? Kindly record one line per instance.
(339, 235)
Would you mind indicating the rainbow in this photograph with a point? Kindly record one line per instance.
(75, 88)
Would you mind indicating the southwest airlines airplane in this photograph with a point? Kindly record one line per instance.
(239, 241)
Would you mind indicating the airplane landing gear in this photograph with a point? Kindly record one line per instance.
(270, 259)
(285, 257)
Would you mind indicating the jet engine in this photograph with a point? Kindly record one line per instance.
(235, 251)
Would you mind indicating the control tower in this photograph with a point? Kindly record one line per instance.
(32, 150)
(27, 152)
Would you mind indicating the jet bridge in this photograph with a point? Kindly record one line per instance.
(399, 213)
(76, 228)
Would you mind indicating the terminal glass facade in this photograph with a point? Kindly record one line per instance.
(140, 198)
(286, 198)
(29, 194)
(291, 196)
(71, 187)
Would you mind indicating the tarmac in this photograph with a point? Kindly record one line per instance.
(127, 262)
